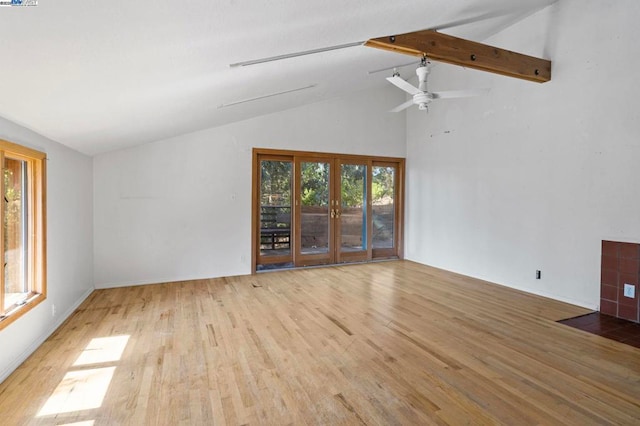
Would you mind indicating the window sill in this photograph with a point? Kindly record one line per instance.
(19, 310)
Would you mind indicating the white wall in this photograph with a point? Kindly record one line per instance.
(69, 246)
(534, 176)
(181, 208)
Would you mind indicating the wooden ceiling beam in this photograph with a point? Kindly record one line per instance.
(457, 51)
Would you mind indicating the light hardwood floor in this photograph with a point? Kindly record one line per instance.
(384, 343)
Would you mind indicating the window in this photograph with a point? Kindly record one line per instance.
(22, 234)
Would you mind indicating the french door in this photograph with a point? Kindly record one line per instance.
(318, 209)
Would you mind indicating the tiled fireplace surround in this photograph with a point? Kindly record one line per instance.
(620, 266)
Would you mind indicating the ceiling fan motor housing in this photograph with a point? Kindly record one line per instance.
(422, 73)
(422, 99)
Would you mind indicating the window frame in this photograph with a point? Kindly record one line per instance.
(36, 228)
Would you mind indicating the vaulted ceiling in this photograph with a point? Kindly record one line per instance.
(102, 75)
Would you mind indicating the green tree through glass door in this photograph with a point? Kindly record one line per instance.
(383, 208)
(315, 217)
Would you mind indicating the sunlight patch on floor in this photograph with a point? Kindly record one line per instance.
(102, 349)
(85, 388)
(79, 390)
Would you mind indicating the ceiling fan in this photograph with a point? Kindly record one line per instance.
(421, 95)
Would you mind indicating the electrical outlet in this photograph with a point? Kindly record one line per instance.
(629, 291)
(538, 274)
(53, 310)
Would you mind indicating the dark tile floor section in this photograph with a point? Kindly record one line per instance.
(606, 326)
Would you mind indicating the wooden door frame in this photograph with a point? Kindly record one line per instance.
(255, 214)
(260, 153)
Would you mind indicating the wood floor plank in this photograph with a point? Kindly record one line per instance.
(376, 344)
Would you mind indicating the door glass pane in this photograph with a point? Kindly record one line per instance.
(383, 209)
(275, 208)
(314, 207)
(353, 197)
(15, 231)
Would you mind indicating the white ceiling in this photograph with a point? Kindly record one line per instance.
(101, 75)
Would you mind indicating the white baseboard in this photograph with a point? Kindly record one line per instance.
(40, 340)
(571, 301)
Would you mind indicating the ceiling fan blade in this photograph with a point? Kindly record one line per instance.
(402, 106)
(459, 93)
(400, 83)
